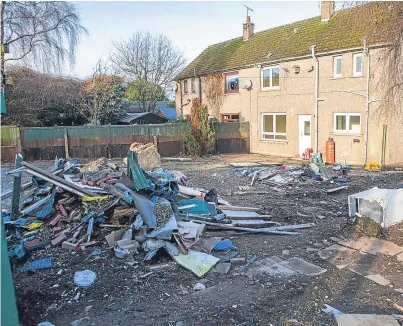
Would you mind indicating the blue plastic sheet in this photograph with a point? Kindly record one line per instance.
(200, 208)
(37, 264)
(47, 208)
(225, 245)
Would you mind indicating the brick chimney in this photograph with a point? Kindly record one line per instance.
(248, 29)
(327, 10)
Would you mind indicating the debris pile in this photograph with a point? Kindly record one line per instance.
(105, 206)
(280, 175)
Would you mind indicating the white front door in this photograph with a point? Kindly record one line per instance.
(304, 132)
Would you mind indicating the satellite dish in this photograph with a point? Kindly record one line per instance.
(246, 84)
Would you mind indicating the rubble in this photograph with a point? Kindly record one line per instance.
(161, 224)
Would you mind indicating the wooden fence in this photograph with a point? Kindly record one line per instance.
(111, 141)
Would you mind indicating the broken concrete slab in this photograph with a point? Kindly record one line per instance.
(340, 256)
(365, 320)
(222, 268)
(400, 257)
(303, 267)
(270, 266)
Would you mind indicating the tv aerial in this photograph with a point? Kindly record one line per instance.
(247, 10)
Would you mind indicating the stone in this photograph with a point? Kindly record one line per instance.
(286, 252)
(69, 245)
(238, 261)
(199, 287)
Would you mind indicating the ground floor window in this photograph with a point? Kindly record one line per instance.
(347, 123)
(274, 126)
(229, 117)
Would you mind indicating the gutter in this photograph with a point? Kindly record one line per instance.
(307, 56)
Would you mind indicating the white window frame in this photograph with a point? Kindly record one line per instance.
(271, 78)
(191, 85)
(355, 72)
(347, 115)
(274, 132)
(335, 74)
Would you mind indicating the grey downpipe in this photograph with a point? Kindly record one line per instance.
(316, 97)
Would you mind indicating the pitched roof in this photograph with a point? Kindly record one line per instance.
(375, 21)
(169, 113)
(129, 117)
(134, 106)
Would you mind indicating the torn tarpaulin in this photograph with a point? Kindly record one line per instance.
(145, 207)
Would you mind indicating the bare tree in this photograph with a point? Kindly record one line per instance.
(40, 32)
(103, 94)
(391, 63)
(150, 59)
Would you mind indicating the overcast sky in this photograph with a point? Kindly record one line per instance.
(191, 26)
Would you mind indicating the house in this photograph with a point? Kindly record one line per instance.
(142, 118)
(301, 83)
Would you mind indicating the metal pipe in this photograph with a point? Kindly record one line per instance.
(366, 51)
(316, 110)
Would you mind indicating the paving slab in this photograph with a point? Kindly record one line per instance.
(377, 246)
(340, 256)
(270, 266)
(373, 246)
(365, 320)
(302, 266)
(377, 278)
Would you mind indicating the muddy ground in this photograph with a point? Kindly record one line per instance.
(120, 296)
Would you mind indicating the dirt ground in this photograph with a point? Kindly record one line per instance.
(120, 296)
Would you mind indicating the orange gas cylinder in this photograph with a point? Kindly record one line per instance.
(330, 151)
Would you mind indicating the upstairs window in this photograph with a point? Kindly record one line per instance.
(232, 83)
(229, 117)
(347, 123)
(337, 67)
(357, 64)
(271, 78)
(274, 126)
(193, 85)
(185, 86)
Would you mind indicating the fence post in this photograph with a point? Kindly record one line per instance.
(66, 144)
(15, 201)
